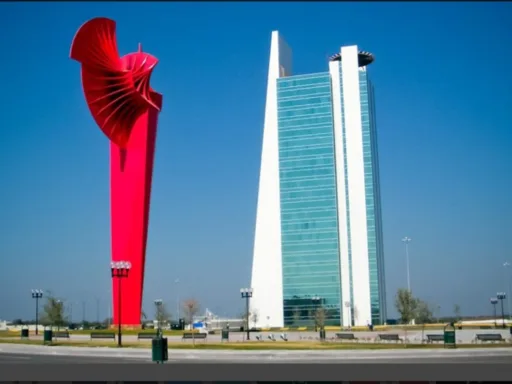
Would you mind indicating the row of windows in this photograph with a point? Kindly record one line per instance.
(307, 247)
(284, 114)
(305, 194)
(314, 182)
(292, 237)
(290, 93)
(310, 225)
(287, 207)
(311, 215)
(304, 101)
(307, 132)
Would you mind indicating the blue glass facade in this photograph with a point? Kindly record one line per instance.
(309, 223)
(372, 196)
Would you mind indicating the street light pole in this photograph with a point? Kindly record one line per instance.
(508, 277)
(247, 294)
(406, 240)
(501, 296)
(37, 294)
(176, 282)
(158, 304)
(120, 270)
(494, 301)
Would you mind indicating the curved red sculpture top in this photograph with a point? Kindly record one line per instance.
(116, 88)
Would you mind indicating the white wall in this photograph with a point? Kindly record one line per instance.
(356, 185)
(334, 69)
(267, 280)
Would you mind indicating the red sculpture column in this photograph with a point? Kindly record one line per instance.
(126, 109)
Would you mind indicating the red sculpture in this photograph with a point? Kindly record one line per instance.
(126, 109)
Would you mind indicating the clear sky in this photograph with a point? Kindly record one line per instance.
(443, 93)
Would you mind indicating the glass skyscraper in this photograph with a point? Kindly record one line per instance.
(318, 238)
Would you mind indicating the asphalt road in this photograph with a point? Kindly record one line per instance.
(260, 358)
(19, 358)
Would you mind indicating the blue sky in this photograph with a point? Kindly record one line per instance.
(443, 95)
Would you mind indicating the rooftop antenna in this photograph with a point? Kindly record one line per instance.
(140, 47)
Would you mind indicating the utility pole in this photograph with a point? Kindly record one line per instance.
(406, 240)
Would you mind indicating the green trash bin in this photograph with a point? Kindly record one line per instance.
(159, 351)
(322, 334)
(47, 336)
(224, 335)
(449, 336)
(24, 333)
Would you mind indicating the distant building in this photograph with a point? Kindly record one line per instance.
(318, 239)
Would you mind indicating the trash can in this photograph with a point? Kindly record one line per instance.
(449, 336)
(224, 335)
(511, 330)
(322, 334)
(24, 333)
(47, 336)
(159, 351)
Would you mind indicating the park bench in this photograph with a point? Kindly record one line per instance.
(284, 337)
(147, 335)
(271, 337)
(346, 336)
(482, 337)
(103, 335)
(191, 335)
(389, 337)
(259, 337)
(61, 335)
(432, 338)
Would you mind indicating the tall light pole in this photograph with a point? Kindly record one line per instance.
(508, 277)
(406, 240)
(176, 282)
(120, 270)
(246, 294)
(501, 296)
(37, 294)
(84, 305)
(494, 301)
(158, 305)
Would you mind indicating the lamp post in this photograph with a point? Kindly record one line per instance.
(120, 270)
(177, 281)
(406, 240)
(158, 305)
(246, 294)
(37, 294)
(501, 296)
(508, 278)
(494, 301)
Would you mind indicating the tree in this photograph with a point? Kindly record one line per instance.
(456, 311)
(424, 312)
(406, 305)
(53, 311)
(320, 315)
(190, 308)
(254, 318)
(297, 316)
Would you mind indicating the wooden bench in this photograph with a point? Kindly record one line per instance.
(483, 337)
(432, 338)
(147, 335)
(192, 335)
(61, 335)
(103, 335)
(389, 337)
(346, 336)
